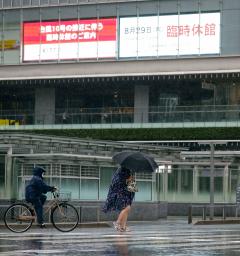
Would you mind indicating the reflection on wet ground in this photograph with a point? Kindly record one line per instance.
(164, 237)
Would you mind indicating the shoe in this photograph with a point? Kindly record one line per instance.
(127, 229)
(42, 225)
(116, 225)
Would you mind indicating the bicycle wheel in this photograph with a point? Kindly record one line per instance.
(64, 217)
(18, 218)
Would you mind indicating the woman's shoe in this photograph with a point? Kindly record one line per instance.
(116, 225)
(127, 229)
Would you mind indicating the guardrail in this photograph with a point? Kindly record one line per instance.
(152, 115)
(205, 209)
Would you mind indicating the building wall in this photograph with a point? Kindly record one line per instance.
(12, 19)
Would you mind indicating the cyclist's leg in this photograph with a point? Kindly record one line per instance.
(39, 210)
(43, 199)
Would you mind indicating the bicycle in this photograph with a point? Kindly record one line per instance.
(19, 217)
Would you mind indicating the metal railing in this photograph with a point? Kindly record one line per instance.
(222, 212)
(123, 115)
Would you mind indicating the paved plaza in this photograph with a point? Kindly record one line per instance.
(163, 237)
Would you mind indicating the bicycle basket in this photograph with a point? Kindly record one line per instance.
(64, 196)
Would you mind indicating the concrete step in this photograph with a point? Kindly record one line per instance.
(217, 221)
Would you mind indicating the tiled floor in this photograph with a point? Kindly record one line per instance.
(164, 237)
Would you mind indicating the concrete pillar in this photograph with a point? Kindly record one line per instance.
(179, 181)
(195, 183)
(221, 95)
(234, 94)
(234, 99)
(238, 175)
(45, 106)
(165, 185)
(8, 175)
(225, 184)
(141, 103)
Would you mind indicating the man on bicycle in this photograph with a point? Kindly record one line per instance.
(35, 193)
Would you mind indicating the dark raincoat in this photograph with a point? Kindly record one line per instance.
(37, 186)
(118, 197)
(35, 191)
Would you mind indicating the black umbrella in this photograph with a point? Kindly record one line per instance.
(135, 161)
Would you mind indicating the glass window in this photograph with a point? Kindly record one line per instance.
(127, 9)
(17, 105)
(89, 189)
(68, 13)
(218, 189)
(214, 5)
(70, 185)
(2, 174)
(168, 7)
(68, 46)
(36, 2)
(11, 37)
(53, 2)
(145, 186)
(7, 3)
(32, 14)
(26, 2)
(109, 10)
(148, 8)
(1, 37)
(49, 37)
(87, 11)
(144, 191)
(16, 3)
(180, 185)
(44, 2)
(63, 1)
(105, 181)
(188, 6)
(204, 189)
(30, 51)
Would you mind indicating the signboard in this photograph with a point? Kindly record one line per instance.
(9, 44)
(168, 35)
(71, 39)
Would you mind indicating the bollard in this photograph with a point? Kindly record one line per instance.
(204, 212)
(189, 214)
(224, 213)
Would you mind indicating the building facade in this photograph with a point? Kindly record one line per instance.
(99, 64)
(129, 62)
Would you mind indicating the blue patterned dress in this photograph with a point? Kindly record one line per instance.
(118, 197)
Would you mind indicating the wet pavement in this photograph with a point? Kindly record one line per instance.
(163, 237)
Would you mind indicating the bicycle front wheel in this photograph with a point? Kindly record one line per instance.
(18, 218)
(64, 217)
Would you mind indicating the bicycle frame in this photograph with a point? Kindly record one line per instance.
(50, 205)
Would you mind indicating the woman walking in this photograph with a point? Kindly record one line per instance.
(119, 199)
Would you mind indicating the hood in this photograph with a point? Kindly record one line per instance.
(38, 171)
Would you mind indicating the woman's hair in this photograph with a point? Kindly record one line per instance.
(126, 172)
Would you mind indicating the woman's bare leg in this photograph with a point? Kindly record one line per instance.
(123, 216)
